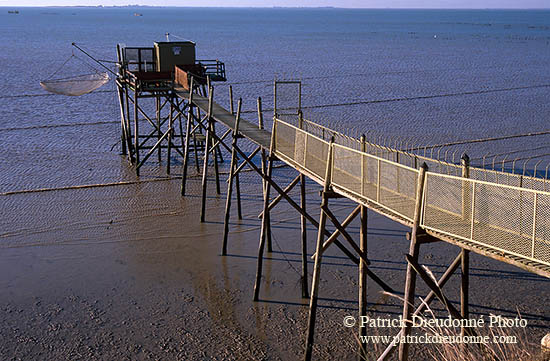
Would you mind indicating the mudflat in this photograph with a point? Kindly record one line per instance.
(128, 272)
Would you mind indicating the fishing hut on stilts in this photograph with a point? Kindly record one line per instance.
(152, 116)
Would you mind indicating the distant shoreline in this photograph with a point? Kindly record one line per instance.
(270, 7)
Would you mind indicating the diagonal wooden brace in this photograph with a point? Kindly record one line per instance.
(336, 233)
(344, 233)
(434, 287)
(279, 197)
(426, 302)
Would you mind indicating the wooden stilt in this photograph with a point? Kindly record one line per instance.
(362, 263)
(170, 132)
(122, 121)
(363, 282)
(195, 143)
(136, 131)
(131, 147)
(264, 169)
(121, 103)
(180, 124)
(231, 100)
(238, 191)
(410, 282)
(262, 235)
(231, 177)
(215, 154)
(206, 148)
(187, 138)
(318, 258)
(464, 285)
(303, 225)
(159, 133)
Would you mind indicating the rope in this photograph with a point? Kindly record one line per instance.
(58, 126)
(86, 186)
(284, 256)
(62, 65)
(481, 140)
(489, 156)
(47, 94)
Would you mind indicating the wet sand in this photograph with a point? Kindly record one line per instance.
(127, 272)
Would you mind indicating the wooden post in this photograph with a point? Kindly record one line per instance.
(187, 138)
(231, 176)
(414, 249)
(131, 148)
(362, 268)
(275, 99)
(466, 196)
(206, 152)
(122, 120)
(231, 100)
(195, 144)
(318, 258)
(121, 101)
(238, 191)
(170, 124)
(216, 150)
(136, 130)
(237, 182)
(179, 103)
(263, 233)
(303, 225)
(264, 169)
(303, 222)
(159, 133)
(465, 254)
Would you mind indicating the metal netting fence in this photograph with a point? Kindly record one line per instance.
(506, 218)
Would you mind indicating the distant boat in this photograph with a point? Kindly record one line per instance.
(138, 14)
(13, 11)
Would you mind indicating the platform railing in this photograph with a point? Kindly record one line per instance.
(512, 220)
(509, 219)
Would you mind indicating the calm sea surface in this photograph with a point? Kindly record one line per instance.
(423, 76)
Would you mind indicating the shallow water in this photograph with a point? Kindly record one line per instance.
(485, 73)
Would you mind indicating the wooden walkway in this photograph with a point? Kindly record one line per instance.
(260, 137)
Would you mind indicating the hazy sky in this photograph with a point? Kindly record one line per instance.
(476, 4)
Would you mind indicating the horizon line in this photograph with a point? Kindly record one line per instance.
(270, 7)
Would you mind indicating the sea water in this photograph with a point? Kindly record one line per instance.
(412, 76)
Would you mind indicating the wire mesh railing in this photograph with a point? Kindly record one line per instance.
(512, 220)
(509, 219)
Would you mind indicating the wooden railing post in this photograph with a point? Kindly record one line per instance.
(465, 254)
(362, 263)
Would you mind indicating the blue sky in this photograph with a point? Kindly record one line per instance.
(479, 4)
